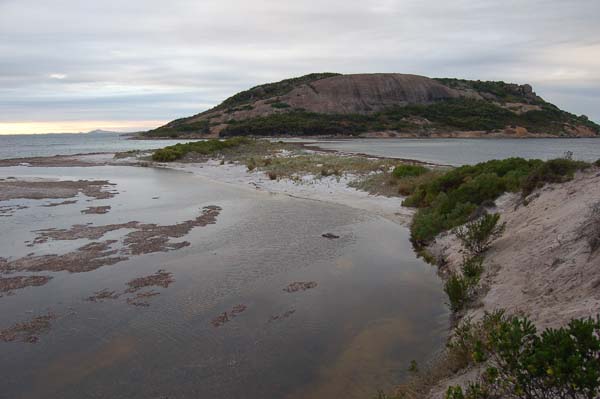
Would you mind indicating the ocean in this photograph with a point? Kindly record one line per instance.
(44, 145)
(444, 151)
(458, 152)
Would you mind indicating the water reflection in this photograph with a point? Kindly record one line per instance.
(375, 306)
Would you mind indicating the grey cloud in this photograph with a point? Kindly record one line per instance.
(153, 60)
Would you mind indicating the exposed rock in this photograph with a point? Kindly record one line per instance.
(367, 93)
(53, 161)
(140, 298)
(161, 278)
(42, 189)
(226, 317)
(282, 316)
(9, 284)
(97, 210)
(100, 296)
(9, 210)
(86, 258)
(53, 204)
(300, 286)
(28, 331)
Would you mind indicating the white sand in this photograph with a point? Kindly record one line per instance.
(328, 189)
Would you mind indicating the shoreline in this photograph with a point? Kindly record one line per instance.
(541, 266)
(330, 189)
(326, 189)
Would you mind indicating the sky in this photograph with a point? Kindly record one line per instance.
(78, 65)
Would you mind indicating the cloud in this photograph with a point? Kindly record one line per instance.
(148, 60)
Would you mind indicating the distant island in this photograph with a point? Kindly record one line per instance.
(382, 105)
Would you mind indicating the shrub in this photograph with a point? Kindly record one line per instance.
(448, 200)
(413, 367)
(251, 164)
(456, 114)
(558, 363)
(426, 224)
(597, 163)
(457, 289)
(325, 172)
(280, 104)
(401, 171)
(452, 197)
(178, 151)
(272, 175)
(472, 268)
(476, 236)
(474, 391)
(552, 171)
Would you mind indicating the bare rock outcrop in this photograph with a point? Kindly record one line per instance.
(366, 93)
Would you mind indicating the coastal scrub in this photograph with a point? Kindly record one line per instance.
(178, 151)
(450, 200)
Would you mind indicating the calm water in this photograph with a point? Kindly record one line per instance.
(376, 306)
(444, 151)
(41, 145)
(468, 151)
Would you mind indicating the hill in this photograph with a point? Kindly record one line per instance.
(382, 104)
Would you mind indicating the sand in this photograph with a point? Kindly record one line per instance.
(546, 265)
(331, 189)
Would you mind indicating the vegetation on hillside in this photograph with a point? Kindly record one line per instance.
(180, 127)
(461, 114)
(476, 237)
(502, 91)
(451, 199)
(522, 363)
(517, 361)
(450, 115)
(269, 90)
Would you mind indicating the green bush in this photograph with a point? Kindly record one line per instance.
(597, 163)
(251, 164)
(457, 289)
(472, 268)
(460, 289)
(280, 104)
(474, 391)
(552, 171)
(449, 200)
(476, 236)
(558, 363)
(180, 127)
(402, 171)
(457, 114)
(299, 123)
(208, 147)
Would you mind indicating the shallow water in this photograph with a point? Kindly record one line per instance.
(375, 307)
(468, 151)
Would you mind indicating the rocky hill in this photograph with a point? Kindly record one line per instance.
(385, 105)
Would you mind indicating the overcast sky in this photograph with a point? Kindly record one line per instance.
(76, 65)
